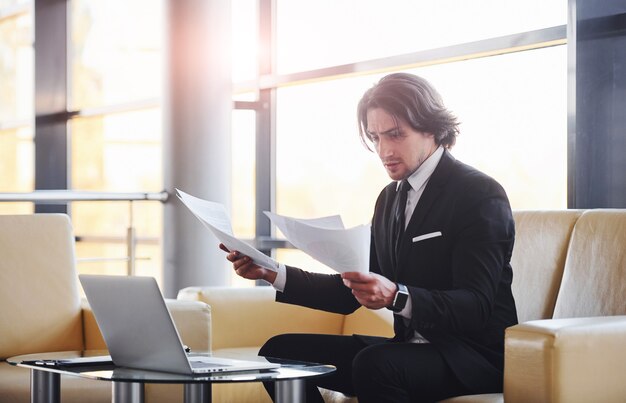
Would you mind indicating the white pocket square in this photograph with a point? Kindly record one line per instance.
(427, 236)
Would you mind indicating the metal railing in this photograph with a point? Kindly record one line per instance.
(68, 196)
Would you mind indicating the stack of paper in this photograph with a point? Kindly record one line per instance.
(215, 218)
(324, 239)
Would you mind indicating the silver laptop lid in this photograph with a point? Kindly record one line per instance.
(135, 323)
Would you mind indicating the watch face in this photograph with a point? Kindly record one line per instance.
(399, 301)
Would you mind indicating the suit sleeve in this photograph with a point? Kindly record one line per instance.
(483, 239)
(325, 292)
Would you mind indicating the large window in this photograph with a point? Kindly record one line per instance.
(16, 167)
(324, 33)
(16, 103)
(514, 121)
(116, 86)
(118, 152)
(116, 52)
(513, 129)
(245, 26)
(512, 106)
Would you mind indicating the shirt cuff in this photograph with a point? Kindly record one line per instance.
(281, 278)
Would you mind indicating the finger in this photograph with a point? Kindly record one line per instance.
(356, 276)
(243, 270)
(366, 297)
(249, 270)
(355, 285)
(235, 256)
(240, 261)
(363, 302)
(224, 248)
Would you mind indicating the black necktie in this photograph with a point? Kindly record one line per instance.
(399, 219)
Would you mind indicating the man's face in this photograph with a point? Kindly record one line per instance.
(400, 148)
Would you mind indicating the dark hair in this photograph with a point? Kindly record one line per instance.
(414, 100)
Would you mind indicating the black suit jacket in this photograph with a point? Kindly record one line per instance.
(459, 283)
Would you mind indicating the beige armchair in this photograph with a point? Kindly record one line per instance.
(570, 345)
(41, 309)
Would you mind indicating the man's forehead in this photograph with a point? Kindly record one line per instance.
(380, 120)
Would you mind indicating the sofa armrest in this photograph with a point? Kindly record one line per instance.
(566, 360)
(91, 332)
(192, 320)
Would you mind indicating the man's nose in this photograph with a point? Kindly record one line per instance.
(385, 149)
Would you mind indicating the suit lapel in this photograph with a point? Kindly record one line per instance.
(433, 189)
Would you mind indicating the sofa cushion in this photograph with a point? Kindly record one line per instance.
(39, 294)
(541, 242)
(594, 280)
(331, 396)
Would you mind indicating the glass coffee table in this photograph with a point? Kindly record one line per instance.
(128, 384)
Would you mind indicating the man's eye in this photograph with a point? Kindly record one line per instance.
(373, 138)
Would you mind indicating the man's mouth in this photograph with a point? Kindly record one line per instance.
(391, 164)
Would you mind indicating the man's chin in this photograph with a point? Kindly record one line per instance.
(396, 176)
(396, 172)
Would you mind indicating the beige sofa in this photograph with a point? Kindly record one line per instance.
(41, 310)
(569, 283)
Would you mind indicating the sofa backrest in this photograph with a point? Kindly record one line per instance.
(39, 298)
(542, 239)
(247, 317)
(594, 279)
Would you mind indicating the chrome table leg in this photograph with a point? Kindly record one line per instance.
(197, 393)
(289, 391)
(45, 387)
(128, 392)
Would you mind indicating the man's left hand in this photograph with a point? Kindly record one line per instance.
(372, 290)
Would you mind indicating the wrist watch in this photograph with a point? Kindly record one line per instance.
(399, 301)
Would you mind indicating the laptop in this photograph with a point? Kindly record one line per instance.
(140, 333)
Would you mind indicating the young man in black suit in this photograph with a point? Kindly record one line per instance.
(442, 238)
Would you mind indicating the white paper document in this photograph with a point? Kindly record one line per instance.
(215, 218)
(326, 240)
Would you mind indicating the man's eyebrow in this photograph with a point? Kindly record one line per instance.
(386, 132)
(393, 130)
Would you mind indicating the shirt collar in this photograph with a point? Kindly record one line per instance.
(421, 175)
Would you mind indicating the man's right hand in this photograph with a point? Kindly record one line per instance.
(244, 267)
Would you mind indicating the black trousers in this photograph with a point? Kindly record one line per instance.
(378, 372)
